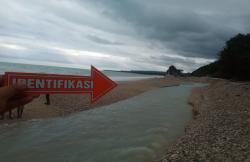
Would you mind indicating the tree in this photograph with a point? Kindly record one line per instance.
(172, 70)
(234, 60)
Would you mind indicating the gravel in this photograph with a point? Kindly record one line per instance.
(220, 130)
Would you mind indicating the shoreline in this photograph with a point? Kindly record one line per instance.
(64, 105)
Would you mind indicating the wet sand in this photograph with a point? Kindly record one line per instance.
(63, 105)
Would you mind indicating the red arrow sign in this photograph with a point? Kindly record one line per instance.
(37, 83)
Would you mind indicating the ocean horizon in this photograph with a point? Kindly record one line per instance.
(114, 75)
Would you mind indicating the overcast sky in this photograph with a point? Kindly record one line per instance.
(119, 34)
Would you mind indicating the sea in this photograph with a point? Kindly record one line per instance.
(114, 75)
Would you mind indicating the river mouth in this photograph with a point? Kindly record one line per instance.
(135, 130)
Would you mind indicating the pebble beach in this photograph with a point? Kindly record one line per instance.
(220, 130)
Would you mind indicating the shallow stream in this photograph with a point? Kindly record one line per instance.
(135, 130)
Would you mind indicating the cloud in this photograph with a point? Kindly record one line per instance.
(128, 34)
(191, 28)
(102, 41)
(12, 46)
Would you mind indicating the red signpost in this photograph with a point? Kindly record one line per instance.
(38, 83)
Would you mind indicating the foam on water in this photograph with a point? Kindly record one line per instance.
(134, 130)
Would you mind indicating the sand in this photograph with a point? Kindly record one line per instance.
(63, 105)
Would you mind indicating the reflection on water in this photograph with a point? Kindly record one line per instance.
(135, 130)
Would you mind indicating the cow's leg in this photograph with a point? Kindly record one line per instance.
(10, 114)
(20, 111)
(2, 116)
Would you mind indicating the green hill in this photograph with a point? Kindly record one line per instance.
(207, 70)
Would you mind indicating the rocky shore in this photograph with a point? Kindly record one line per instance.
(220, 130)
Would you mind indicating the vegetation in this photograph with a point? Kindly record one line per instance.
(208, 70)
(146, 72)
(233, 62)
(172, 70)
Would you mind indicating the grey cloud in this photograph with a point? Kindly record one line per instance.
(41, 55)
(192, 28)
(141, 33)
(102, 41)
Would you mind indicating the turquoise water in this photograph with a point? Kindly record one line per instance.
(135, 130)
(117, 76)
